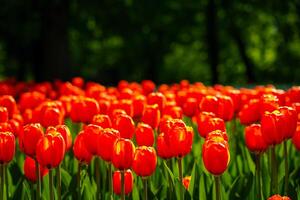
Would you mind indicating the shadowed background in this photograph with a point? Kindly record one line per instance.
(213, 41)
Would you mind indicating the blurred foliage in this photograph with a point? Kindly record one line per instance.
(165, 41)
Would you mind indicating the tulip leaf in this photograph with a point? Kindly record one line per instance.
(135, 193)
(171, 175)
(192, 182)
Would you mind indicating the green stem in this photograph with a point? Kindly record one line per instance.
(122, 184)
(169, 164)
(51, 184)
(218, 184)
(274, 172)
(2, 182)
(110, 183)
(97, 173)
(38, 180)
(258, 177)
(180, 177)
(78, 181)
(5, 175)
(145, 188)
(32, 192)
(286, 168)
(58, 182)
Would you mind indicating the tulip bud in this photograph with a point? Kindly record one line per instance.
(80, 151)
(144, 162)
(30, 169)
(144, 135)
(215, 155)
(123, 154)
(50, 150)
(254, 139)
(128, 181)
(7, 147)
(106, 143)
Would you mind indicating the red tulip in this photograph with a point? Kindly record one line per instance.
(296, 137)
(186, 182)
(225, 107)
(190, 107)
(254, 139)
(102, 120)
(278, 197)
(83, 109)
(10, 103)
(30, 169)
(250, 112)
(123, 154)
(290, 121)
(128, 181)
(7, 147)
(157, 98)
(215, 155)
(93, 133)
(179, 138)
(50, 150)
(51, 116)
(138, 103)
(208, 123)
(174, 111)
(209, 104)
(65, 132)
(272, 126)
(144, 162)
(29, 138)
(3, 114)
(148, 86)
(125, 125)
(163, 150)
(106, 143)
(217, 133)
(268, 102)
(151, 115)
(144, 135)
(80, 151)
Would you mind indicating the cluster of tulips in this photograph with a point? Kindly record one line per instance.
(131, 126)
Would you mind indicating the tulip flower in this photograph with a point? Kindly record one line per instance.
(125, 125)
(186, 182)
(102, 120)
(30, 169)
(144, 135)
(138, 104)
(80, 151)
(268, 102)
(122, 158)
(151, 115)
(7, 152)
(250, 112)
(157, 98)
(93, 133)
(10, 104)
(190, 107)
(216, 157)
(7, 147)
(174, 111)
(117, 182)
(50, 151)
(144, 164)
(296, 137)
(148, 86)
(278, 197)
(29, 138)
(256, 143)
(3, 114)
(208, 123)
(254, 139)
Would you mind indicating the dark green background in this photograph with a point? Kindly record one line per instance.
(213, 41)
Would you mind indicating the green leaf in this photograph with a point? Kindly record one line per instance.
(192, 182)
